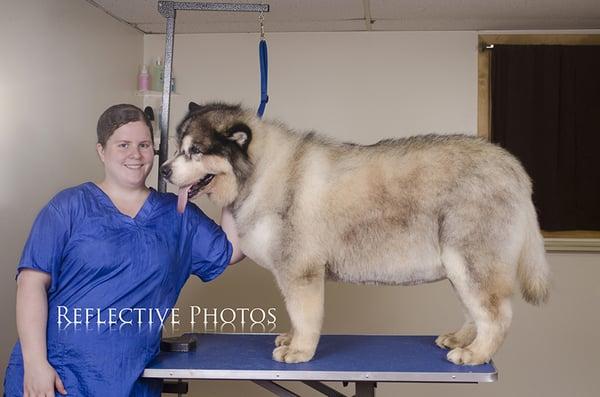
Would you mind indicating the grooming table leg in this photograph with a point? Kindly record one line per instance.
(365, 389)
(275, 388)
(323, 388)
(180, 388)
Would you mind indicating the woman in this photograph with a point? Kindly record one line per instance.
(112, 247)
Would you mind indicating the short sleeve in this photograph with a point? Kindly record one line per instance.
(44, 248)
(211, 250)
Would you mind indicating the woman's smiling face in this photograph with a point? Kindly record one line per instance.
(128, 155)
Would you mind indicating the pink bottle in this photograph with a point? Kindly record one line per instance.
(144, 79)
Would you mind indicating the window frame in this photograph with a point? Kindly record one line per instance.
(570, 240)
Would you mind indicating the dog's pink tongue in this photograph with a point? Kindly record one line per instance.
(182, 198)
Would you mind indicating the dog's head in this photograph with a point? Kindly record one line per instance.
(212, 154)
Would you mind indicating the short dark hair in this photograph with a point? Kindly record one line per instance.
(116, 116)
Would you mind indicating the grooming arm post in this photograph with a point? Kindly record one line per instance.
(168, 9)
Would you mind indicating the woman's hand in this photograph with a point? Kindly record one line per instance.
(40, 380)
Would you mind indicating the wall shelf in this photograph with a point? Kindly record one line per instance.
(153, 93)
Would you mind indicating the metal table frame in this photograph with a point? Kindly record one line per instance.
(339, 358)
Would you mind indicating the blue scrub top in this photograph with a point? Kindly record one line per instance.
(104, 261)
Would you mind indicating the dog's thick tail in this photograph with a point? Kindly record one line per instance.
(533, 270)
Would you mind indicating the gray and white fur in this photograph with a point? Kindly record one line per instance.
(398, 212)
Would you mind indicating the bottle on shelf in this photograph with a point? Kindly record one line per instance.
(144, 79)
(157, 73)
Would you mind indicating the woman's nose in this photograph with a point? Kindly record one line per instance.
(135, 153)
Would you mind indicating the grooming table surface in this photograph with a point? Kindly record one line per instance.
(353, 358)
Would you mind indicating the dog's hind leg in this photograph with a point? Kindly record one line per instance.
(486, 297)
(461, 338)
(304, 299)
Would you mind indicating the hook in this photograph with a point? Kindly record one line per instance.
(261, 19)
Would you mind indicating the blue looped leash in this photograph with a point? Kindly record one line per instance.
(264, 73)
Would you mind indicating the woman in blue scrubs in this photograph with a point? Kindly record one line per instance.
(102, 263)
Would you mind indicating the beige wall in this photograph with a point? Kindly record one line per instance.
(65, 61)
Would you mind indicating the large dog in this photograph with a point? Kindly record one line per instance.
(401, 211)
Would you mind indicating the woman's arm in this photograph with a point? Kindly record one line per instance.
(229, 227)
(32, 315)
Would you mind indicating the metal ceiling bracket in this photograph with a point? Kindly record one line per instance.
(166, 9)
(227, 7)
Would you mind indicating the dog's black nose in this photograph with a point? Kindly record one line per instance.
(166, 171)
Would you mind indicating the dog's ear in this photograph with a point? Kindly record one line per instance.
(241, 134)
(193, 106)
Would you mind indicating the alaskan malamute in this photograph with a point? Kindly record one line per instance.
(401, 211)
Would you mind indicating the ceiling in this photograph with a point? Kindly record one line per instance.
(362, 15)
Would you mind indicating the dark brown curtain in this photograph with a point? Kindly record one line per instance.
(546, 111)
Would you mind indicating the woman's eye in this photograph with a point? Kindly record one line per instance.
(144, 145)
(123, 145)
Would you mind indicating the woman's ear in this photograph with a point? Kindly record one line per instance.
(100, 151)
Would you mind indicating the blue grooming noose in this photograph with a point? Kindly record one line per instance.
(264, 73)
(264, 68)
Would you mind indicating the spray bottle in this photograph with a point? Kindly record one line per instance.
(157, 73)
(144, 79)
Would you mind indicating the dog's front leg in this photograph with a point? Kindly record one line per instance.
(304, 300)
(284, 339)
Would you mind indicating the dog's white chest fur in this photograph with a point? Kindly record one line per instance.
(258, 241)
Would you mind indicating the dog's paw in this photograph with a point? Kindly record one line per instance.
(464, 356)
(284, 354)
(283, 339)
(448, 341)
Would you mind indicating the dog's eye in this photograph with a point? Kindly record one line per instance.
(195, 149)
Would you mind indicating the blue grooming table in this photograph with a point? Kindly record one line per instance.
(363, 359)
